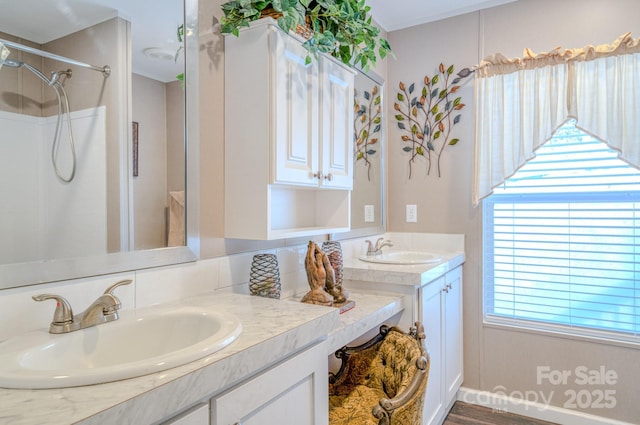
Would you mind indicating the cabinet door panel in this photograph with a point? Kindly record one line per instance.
(431, 317)
(453, 348)
(199, 415)
(296, 114)
(337, 125)
(292, 393)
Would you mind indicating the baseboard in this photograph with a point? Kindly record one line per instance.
(540, 411)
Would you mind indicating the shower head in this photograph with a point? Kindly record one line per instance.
(13, 63)
(18, 64)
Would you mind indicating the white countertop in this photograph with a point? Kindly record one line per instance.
(272, 330)
(370, 311)
(412, 275)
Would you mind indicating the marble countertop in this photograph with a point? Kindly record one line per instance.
(412, 275)
(272, 331)
(370, 311)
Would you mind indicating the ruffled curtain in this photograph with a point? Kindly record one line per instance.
(520, 103)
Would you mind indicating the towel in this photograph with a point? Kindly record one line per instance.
(176, 219)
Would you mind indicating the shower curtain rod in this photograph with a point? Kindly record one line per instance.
(106, 70)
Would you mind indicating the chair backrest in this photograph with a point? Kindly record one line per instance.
(395, 363)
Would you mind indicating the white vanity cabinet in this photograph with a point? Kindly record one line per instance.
(288, 137)
(440, 311)
(293, 393)
(198, 415)
(437, 303)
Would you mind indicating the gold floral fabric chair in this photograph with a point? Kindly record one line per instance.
(381, 382)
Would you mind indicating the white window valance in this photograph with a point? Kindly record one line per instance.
(519, 104)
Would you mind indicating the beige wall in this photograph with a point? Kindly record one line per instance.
(175, 136)
(158, 108)
(150, 186)
(497, 357)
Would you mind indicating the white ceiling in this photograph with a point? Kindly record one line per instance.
(393, 15)
(154, 23)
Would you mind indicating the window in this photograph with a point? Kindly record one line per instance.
(562, 241)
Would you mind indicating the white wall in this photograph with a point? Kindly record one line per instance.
(497, 358)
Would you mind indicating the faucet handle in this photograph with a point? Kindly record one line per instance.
(110, 289)
(63, 314)
(370, 249)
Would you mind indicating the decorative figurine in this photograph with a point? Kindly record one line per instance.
(322, 281)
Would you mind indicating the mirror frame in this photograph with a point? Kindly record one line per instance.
(38, 272)
(377, 229)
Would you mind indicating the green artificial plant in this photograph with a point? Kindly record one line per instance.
(342, 28)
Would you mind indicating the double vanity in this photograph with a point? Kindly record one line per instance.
(269, 357)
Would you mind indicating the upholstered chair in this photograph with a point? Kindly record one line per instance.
(381, 382)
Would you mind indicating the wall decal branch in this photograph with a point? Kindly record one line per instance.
(427, 119)
(367, 123)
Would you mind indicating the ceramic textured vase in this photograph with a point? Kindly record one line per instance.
(264, 278)
(334, 252)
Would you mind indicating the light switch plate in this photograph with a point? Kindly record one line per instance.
(412, 213)
(369, 214)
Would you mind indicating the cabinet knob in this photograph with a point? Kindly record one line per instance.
(318, 175)
(328, 177)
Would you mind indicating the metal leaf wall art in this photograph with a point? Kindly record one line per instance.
(367, 124)
(427, 117)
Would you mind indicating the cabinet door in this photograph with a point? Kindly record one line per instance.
(432, 320)
(295, 113)
(336, 127)
(293, 393)
(199, 415)
(453, 334)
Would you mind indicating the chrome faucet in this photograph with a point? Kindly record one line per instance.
(102, 310)
(380, 243)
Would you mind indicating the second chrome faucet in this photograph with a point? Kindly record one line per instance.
(377, 249)
(102, 310)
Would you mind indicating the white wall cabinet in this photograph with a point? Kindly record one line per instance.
(288, 137)
(440, 311)
(293, 393)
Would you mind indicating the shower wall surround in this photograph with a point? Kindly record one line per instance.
(43, 217)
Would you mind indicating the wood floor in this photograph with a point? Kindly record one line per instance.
(471, 414)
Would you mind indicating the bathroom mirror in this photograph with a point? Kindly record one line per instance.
(120, 203)
(367, 197)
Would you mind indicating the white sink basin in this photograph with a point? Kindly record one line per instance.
(402, 257)
(137, 344)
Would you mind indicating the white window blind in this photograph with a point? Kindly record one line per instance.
(562, 241)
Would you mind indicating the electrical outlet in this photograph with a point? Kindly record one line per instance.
(369, 214)
(412, 213)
